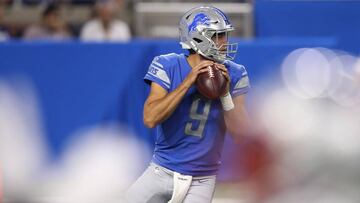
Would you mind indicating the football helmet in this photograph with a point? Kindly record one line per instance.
(203, 29)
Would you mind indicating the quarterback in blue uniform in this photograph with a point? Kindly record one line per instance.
(190, 128)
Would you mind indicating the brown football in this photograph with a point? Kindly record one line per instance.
(212, 83)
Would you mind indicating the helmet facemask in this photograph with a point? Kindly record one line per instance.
(220, 48)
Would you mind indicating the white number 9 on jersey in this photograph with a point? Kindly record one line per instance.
(201, 117)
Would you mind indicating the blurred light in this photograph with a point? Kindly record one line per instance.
(342, 132)
(98, 165)
(320, 72)
(317, 139)
(22, 152)
(286, 117)
(345, 89)
(314, 195)
(306, 72)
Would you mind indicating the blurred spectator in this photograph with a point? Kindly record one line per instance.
(104, 27)
(6, 2)
(51, 26)
(3, 31)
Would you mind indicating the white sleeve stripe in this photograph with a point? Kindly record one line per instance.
(163, 76)
(162, 82)
(166, 81)
(156, 67)
(243, 82)
(160, 73)
(166, 85)
(239, 90)
(158, 64)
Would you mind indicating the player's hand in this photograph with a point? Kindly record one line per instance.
(200, 68)
(225, 73)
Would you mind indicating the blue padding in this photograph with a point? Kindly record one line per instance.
(80, 85)
(295, 18)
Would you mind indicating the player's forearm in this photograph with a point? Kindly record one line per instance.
(157, 111)
(237, 122)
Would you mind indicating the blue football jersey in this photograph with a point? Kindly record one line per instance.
(190, 141)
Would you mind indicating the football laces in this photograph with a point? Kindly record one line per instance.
(211, 72)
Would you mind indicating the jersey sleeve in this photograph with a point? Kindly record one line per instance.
(240, 83)
(159, 72)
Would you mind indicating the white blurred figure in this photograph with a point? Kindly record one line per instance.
(22, 151)
(105, 27)
(346, 89)
(98, 165)
(306, 72)
(317, 139)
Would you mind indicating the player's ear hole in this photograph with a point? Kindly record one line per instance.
(197, 40)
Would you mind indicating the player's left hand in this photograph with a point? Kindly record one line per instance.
(225, 73)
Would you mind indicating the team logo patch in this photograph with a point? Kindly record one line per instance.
(200, 19)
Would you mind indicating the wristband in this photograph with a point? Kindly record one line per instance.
(227, 102)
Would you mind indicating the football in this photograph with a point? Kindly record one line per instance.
(212, 83)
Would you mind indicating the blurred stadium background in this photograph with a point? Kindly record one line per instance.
(71, 107)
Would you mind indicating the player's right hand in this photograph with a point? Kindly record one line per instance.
(200, 68)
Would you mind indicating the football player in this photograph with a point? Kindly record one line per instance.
(190, 128)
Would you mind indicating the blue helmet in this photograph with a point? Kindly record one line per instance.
(199, 30)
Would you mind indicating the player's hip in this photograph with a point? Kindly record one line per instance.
(196, 167)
